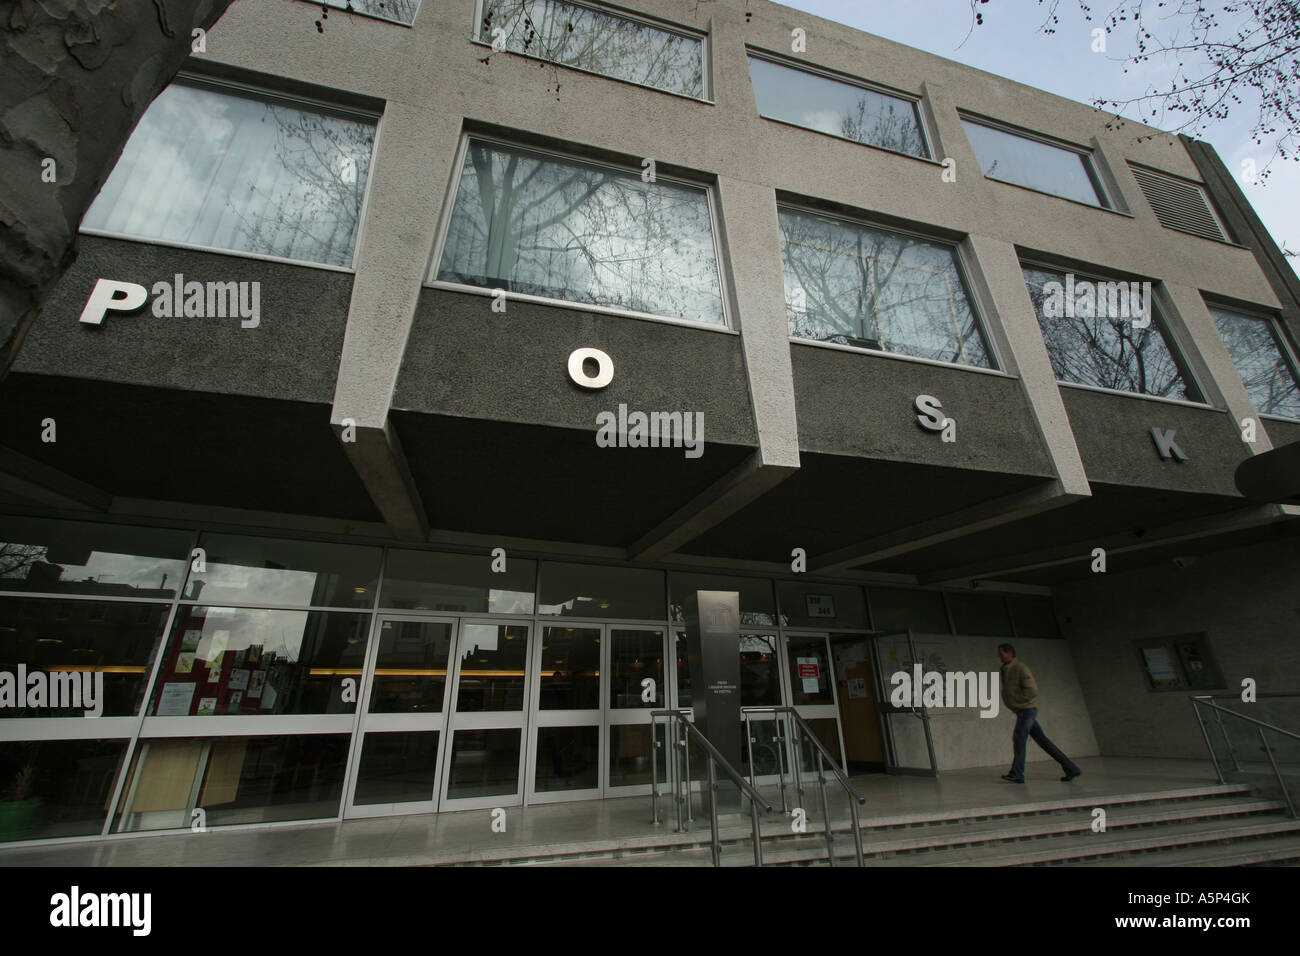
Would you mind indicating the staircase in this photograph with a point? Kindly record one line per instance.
(1211, 825)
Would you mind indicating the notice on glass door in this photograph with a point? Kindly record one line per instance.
(809, 673)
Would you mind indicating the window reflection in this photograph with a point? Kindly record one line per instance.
(1032, 163)
(241, 570)
(236, 172)
(1256, 349)
(1104, 350)
(80, 558)
(855, 285)
(493, 658)
(614, 46)
(835, 107)
(567, 230)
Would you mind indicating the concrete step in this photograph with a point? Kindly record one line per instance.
(1283, 851)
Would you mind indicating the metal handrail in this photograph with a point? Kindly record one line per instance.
(1261, 726)
(715, 759)
(823, 758)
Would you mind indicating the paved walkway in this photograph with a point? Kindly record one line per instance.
(433, 838)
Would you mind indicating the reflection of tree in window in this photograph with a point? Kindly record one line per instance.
(1261, 362)
(612, 46)
(402, 11)
(1106, 352)
(878, 290)
(882, 123)
(583, 234)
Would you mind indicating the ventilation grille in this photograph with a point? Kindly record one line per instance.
(1179, 204)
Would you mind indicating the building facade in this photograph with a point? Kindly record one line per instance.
(420, 363)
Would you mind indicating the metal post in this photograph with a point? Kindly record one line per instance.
(758, 832)
(678, 744)
(713, 816)
(1280, 782)
(857, 829)
(781, 737)
(1232, 751)
(749, 744)
(654, 770)
(1196, 709)
(826, 811)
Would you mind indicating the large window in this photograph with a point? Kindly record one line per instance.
(1092, 341)
(1035, 164)
(841, 109)
(1263, 361)
(238, 172)
(860, 286)
(579, 36)
(540, 225)
(402, 11)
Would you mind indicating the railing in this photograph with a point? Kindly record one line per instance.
(1218, 712)
(805, 732)
(681, 782)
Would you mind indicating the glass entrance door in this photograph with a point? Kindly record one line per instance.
(810, 689)
(909, 743)
(403, 714)
(567, 742)
(487, 716)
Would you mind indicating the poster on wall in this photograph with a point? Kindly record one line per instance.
(190, 639)
(255, 684)
(175, 700)
(184, 663)
(239, 679)
(207, 706)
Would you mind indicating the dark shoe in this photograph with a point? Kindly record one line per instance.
(1070, 776)
(1012, 778)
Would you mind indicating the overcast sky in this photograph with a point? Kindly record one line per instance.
(1010, 44)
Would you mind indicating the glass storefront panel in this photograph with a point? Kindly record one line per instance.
(635, 656)
(493, 658)
(760, 675)
(980, 615)
(598, 591)
(898, 609)
(77, 557)
(568, 758)
(570, 668)
(822, 605)
(827, 731)
(77, 645)
(757, 605)
(629, 755)
(766, 747)
(233, 780)
(411, 667)
(223, 660)
(484, 763)
(56, 788)
(397, 768)
(245, 570)
(464, 583)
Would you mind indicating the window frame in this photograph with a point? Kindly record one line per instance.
(960, 262)
(341, 6)
(1087, 155)
(1280, 336)
(927, 139)
(244, 90)
(609, 10)
(431, 280)
(1160, 319)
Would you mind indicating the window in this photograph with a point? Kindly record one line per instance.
(575, 35)
(1035, 164)
(402, 11)
(577, 232)
(832, 106)
(861, 286)
(231, 171)
(1263, 361)
(1179, 203)
(1096, 336)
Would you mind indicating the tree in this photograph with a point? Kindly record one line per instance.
(1224, 56)
(75, 78)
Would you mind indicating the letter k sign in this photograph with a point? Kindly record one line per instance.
(1165, 444)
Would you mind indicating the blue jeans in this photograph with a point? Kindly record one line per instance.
(1027, 726)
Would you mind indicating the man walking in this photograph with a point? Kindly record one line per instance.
(1020, 695)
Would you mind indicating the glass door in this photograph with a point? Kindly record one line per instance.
(636, 685)
(566, 737)
(909, 743)
(402, 722)
(487, 717)
(810, 689)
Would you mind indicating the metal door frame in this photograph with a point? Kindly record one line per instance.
(886, 710)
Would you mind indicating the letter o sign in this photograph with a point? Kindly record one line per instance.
(604, 364)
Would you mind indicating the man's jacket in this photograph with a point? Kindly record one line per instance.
(1019, 690)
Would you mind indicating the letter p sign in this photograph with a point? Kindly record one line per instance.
(105, 298)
